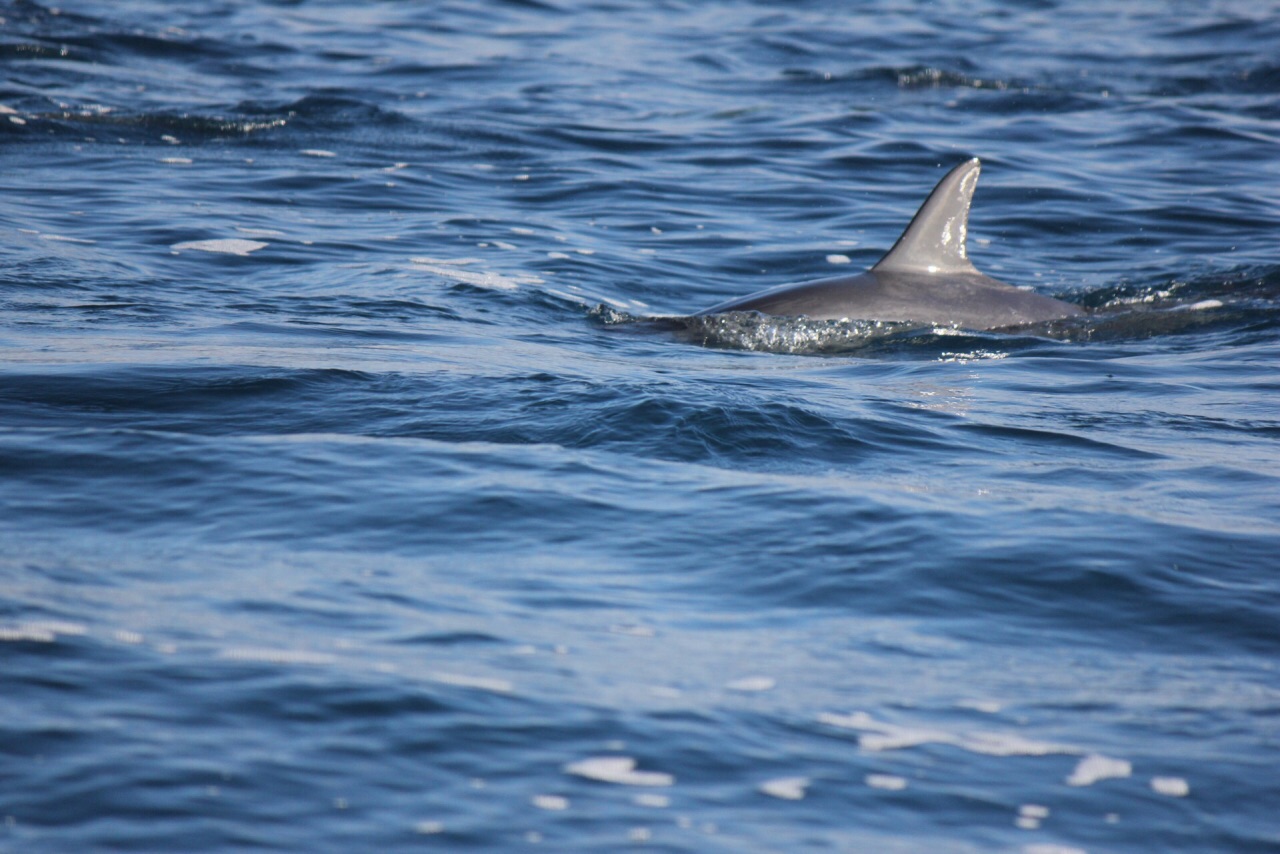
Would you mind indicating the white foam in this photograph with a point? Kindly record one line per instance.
(317, 152)
(786, 788)
(1009, 744)
(839, 259)
(1030, 816)
(448, 262)
(651, 799)
(59, 627)
(751, 684)
(180, 161)
(1095, 767)
(888, 782)
(493, 281)
(883, 736)
(259, 232)
(1174, 787)
(971, 356)
(553, 803)
(429, 828)
(16, 634)
(877, 736)
(223, 246)
(618, 769)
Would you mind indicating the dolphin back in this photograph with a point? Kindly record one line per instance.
(926, 277)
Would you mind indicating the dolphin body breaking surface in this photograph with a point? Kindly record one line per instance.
(925, 278)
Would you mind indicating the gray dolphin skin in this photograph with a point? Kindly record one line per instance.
(925, 278)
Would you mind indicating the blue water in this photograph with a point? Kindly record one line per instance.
(352, 499)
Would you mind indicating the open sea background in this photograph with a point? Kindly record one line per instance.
(351, 501)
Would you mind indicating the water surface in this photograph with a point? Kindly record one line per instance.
(348, 500)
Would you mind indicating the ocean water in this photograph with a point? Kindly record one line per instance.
(365, 485)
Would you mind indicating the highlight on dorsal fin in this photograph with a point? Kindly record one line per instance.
(934, 242)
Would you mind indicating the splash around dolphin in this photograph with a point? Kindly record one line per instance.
(925, 278)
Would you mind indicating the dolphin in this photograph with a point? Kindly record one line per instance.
(925, 278)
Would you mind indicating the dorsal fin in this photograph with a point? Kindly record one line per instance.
(934, 242)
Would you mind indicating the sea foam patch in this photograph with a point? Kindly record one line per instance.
(1095, 767)
(552, 803)
(617, 769)
(26, 633)
(221, 246)
(888, 782)
(752, 684)
(41, 631)
(1173, 787)
(785, 788)
(453, 269)
(878, 735)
